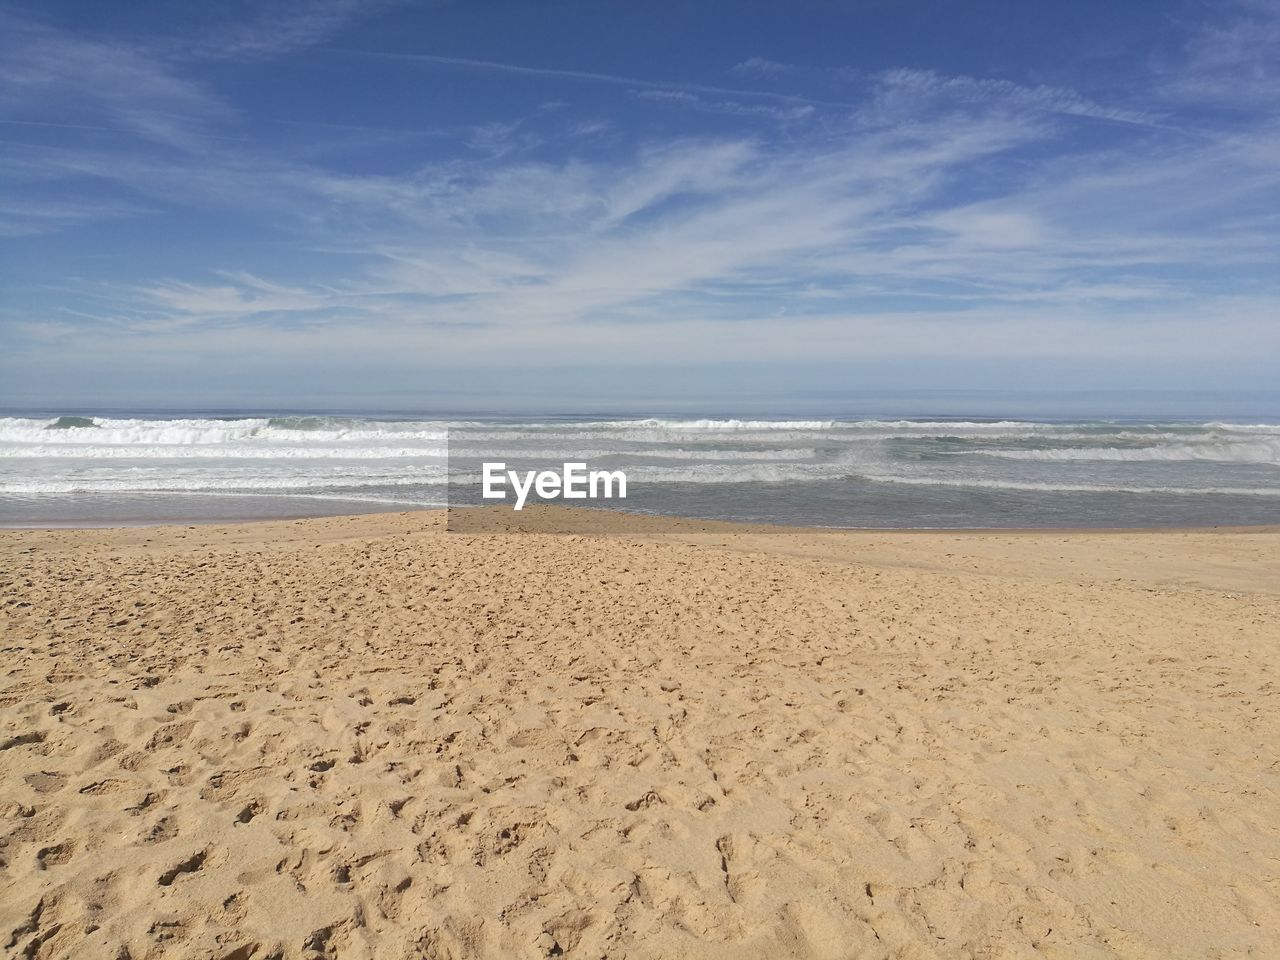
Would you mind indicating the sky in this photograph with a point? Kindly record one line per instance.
(381, 204)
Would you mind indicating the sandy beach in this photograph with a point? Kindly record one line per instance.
(369, 737)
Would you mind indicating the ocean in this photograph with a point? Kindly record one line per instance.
(918, 473)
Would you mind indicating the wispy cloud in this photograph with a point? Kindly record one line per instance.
(1234, 62)
(584, 248)
(583, 76)
(682, 98)
(892, 88)
(761, 65)
(893, 85)
(281, 27)
(84, 83)
(32, 216)
(765, 69)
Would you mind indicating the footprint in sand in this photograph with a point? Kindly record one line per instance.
(46, 781)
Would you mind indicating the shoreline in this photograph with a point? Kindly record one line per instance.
(745, 526)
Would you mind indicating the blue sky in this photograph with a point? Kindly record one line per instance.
(347, 203)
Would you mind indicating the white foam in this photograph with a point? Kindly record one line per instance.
(186, 432)
(739, 473)
(1244, 427)
(963, 426)
(720, 424)
(1255, 451)
(1070, 487)
(568, 452)
(915, 426)
(191, 483)
(217, 451)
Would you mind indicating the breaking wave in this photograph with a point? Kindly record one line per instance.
(1245, 451)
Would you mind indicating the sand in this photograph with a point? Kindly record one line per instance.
(367, 737)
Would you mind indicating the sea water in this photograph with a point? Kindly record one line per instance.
(102, 469)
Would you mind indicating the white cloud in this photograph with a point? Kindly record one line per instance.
(283, 26)
(115, 85)
(782, 114)
(897, 86)
(32, 216)
(761, 65)
(1233, 62)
